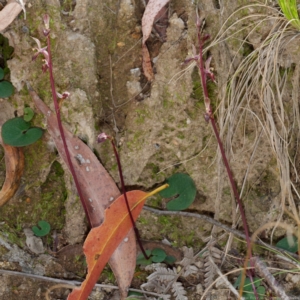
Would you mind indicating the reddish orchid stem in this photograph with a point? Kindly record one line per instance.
(210, 117)
(61, 130)
(136, 231)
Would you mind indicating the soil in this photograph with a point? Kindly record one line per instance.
(159, 129)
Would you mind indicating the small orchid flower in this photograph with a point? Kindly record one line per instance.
(207, 70)
(102, 137)
(63, 96)
(42, 51)
(46, 20)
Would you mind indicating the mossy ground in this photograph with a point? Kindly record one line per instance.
(36, 200)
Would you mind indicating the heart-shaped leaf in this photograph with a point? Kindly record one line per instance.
(17, 132)
(28, 114)
(42, 230)
(6, 89)
(141, 260)
(158, 255)
(290, 245)
(183, 186)
(170, 259)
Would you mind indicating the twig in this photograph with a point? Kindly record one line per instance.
(219, 224)
(74, 283)
(265, 273)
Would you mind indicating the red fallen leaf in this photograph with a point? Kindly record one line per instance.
(98, 190)
(14, 164)
(103, 240)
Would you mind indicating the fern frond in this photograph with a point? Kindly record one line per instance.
(179, 291)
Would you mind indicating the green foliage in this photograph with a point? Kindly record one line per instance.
(183, 186)
(248, 293)
(6, 52)
(289, 9)
(43, 229)
(289, 244)
(6, 88)
(18, 133)
(28, 114)
(135, 295)
(157, 255)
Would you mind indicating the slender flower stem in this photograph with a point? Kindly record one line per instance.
(204, 72)
(57, 110)
(136, 231)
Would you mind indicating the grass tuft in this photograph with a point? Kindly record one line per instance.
(289, 9)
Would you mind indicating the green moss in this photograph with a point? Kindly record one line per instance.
(141, 115)
(3, 250)
(155, 201)
(136, 141)
(11, 234)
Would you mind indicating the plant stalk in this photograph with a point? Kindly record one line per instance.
(203, 72)
(136, 231)
(61, 130)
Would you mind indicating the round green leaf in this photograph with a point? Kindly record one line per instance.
(6, 89)
(141, 260)
(42, 230)
(17, 132)
(261, 291)
(28, 114)
(1, 73)
(290, 245)
(170, 259)
(183, 186)
(158, 255)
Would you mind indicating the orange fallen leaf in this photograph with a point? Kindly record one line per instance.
(104, 239)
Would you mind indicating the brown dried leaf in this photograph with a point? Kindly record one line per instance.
(14, 164)
(147, 67)
(98, 189)
(152, 9)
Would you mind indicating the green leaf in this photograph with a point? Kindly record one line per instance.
(17, 132)
(134, 295)
(43, 230)
(6, 89)
(170, 259)
(141, 260)
(28, 114)
(183, 185)
(158, 255)
(1, 73)
(261, 292)
(289, 244)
